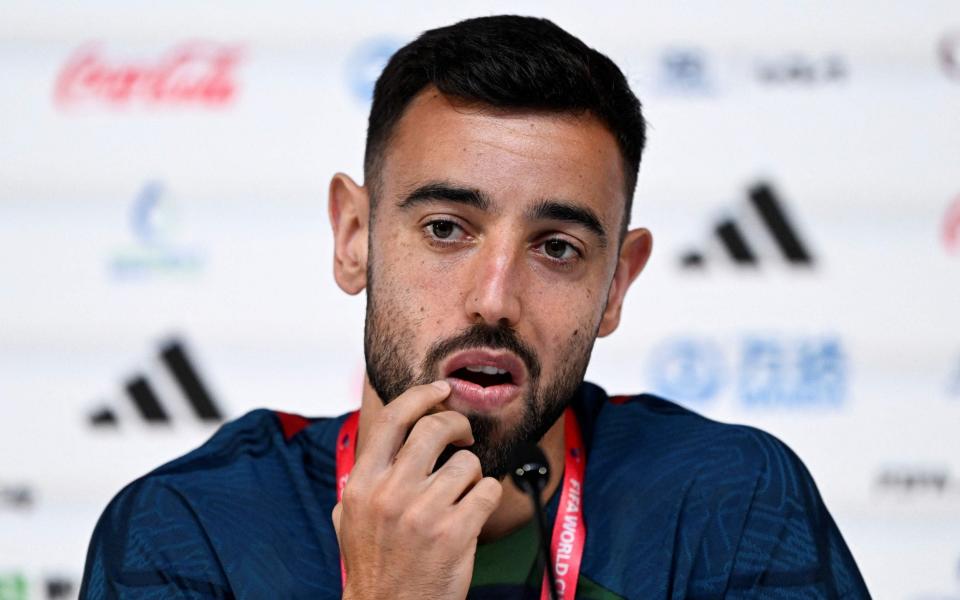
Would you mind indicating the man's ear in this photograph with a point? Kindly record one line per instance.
(350, 218)
(634, 253)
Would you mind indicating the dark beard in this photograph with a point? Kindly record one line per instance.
(386, 347)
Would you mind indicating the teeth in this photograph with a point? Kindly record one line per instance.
(486, 369)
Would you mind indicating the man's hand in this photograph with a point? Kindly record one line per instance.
(404, 531)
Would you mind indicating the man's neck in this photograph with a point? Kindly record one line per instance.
(515, 508)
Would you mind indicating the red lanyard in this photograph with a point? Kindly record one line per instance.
(569, 532)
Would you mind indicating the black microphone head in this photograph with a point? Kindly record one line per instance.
(530, 470)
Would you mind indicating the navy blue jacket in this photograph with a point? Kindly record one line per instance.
(675, 506)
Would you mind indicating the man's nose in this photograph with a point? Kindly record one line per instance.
(494, 297)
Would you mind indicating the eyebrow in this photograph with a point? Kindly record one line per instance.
(558, 210)
(436, 190)
(544, 210)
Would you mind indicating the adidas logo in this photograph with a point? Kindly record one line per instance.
(146, 403)
(762, 231)
(16, 496)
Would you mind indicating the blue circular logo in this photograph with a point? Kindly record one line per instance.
(687, 370)
(152, 219)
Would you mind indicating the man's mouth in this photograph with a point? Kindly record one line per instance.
(484, 378)
(485, 368)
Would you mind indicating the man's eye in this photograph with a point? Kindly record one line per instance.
(559, 249)
(443, 230)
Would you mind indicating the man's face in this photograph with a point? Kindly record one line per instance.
(493, 245)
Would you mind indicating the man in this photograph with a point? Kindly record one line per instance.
(491, 237)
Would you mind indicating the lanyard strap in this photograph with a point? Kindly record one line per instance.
(569, 532)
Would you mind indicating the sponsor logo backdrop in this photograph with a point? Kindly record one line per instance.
(165, 256)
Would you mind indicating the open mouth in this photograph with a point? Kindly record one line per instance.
(484, 376)
(484, 380)
(485, 369)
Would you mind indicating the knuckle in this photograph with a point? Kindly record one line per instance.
(416, 519)
(485, 503)
(452, 418)
(448, 422)
(352, 494)
(488, 496)
(459, 419)
(471, 459)
(463, 463)
(445, 533)
(431, 424)
(453, 471)
(386, 507)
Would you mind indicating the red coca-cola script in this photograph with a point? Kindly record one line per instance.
(189, 74)
(951, 227)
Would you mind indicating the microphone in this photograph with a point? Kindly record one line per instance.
(530, 473)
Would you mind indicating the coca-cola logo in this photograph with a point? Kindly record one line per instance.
(189, 74)
(949, 51)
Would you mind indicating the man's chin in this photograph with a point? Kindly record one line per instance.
(491, 428)
(496, 444)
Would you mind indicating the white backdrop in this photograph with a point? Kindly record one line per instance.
(163, 173)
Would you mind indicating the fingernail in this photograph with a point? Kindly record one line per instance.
(442, 385)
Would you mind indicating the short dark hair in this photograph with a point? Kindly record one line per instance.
(508, 62)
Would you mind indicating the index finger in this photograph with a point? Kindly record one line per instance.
(391, 425)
